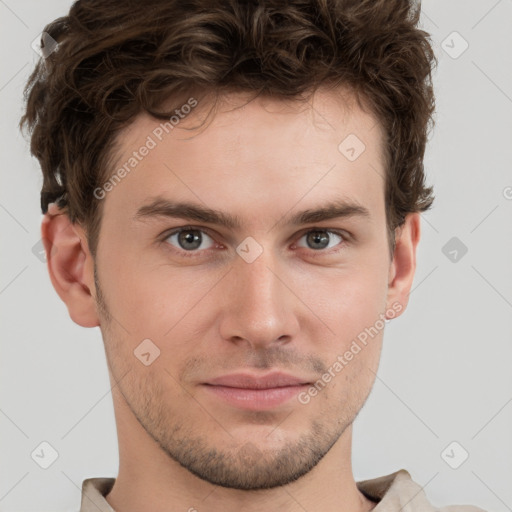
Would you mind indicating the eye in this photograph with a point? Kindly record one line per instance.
(192, 240)
(319, 239)
(189, 239)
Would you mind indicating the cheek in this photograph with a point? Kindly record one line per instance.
(351, 300)
(353, 305)
(159, 302)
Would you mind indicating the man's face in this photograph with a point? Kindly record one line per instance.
(264, 296)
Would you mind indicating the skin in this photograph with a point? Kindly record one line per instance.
(295, 308)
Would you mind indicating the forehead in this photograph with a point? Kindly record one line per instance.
(258, 150)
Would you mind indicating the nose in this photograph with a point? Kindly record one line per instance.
(260, 308)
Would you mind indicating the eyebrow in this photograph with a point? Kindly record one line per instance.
(161, 207)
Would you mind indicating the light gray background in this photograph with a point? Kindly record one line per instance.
(445, 371)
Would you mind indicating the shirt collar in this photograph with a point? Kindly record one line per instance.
(396, 491)
(94, 491)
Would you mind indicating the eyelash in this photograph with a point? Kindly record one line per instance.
(197, 253)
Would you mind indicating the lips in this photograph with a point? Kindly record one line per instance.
(256, 393)
(246, 381)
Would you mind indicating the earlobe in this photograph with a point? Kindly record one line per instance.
(403, 265)
(70, 266)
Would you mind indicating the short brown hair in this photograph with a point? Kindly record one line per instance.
(118, 58)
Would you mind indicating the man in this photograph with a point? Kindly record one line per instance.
(232, 193)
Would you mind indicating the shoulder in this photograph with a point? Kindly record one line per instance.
(398, 491)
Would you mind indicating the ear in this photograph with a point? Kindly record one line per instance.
(403, 265)
(70, 265)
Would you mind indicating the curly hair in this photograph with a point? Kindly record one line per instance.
(116, 59)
